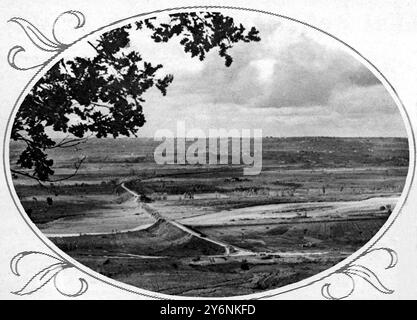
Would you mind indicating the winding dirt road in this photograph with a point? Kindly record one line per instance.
(229, 249)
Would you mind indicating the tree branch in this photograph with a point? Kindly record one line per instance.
(77, 166)
(69, 143)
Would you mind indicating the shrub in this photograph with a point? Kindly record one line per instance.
(244, 265)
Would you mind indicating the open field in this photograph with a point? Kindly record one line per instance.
(209, 230)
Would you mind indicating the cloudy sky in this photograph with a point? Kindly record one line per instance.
(294, 82)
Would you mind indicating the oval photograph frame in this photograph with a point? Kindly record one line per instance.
(348, 267)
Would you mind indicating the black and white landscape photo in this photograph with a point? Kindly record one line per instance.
(209, 153)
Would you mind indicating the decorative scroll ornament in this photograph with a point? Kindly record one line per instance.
(40, 40)
(354, 270)
(45, 275)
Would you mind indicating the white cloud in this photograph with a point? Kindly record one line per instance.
(264, 68)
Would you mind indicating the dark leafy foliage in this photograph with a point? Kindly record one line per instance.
(202, 32)
(102, 96)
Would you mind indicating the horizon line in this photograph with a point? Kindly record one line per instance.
(267, 136)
